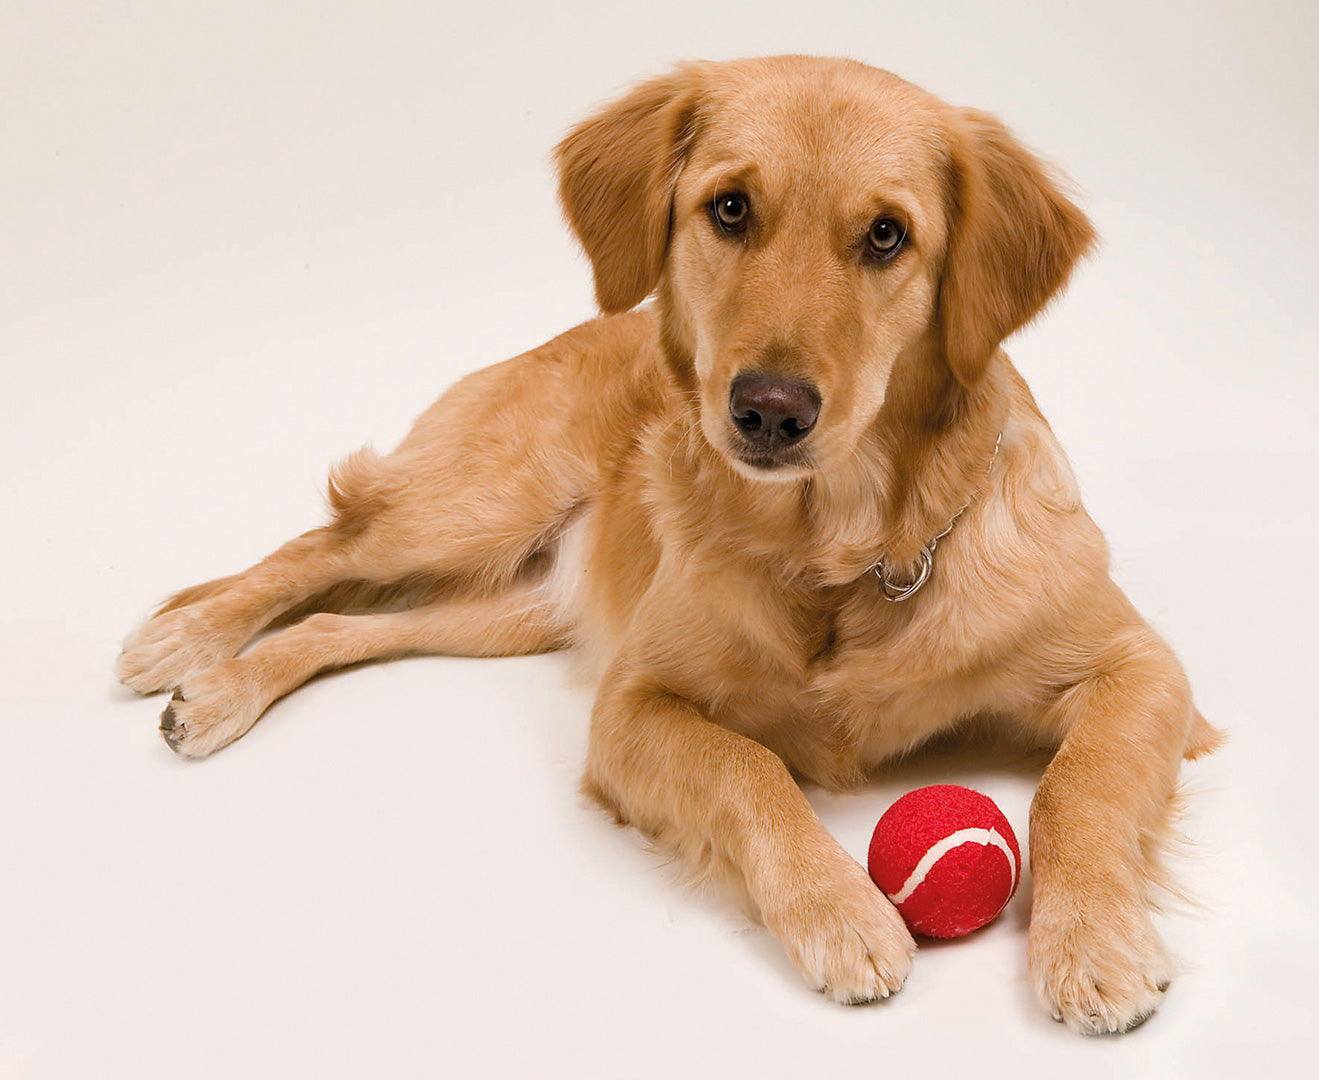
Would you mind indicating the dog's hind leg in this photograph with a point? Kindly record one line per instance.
(217, 705)
(481, 485)
(202, 625)
(434, 539)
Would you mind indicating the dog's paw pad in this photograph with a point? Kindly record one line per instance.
(170, 726)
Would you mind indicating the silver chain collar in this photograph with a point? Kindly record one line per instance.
(897, 591)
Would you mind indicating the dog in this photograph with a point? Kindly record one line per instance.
(798, 514)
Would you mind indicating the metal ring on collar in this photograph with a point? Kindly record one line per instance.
(898, 591)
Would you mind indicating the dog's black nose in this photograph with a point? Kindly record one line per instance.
(773, 412)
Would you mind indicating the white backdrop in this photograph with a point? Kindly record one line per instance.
(239, 240)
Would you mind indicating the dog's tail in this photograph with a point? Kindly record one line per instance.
(1204, 738)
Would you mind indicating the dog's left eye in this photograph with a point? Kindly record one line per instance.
(730, 212)
(885, 238)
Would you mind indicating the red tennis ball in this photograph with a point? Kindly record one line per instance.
(947, 858)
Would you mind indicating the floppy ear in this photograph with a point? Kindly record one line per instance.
(617, 174)
(1013, 241)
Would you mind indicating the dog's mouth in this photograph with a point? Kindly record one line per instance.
(767, 463)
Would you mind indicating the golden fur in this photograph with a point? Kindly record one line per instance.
(596, 492)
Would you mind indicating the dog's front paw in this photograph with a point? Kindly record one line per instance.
(211, 710)
(1097, 962)
(842, 933)
(169, 647)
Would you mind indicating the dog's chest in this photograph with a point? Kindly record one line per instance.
(865, 680)
(833, 680)
(826, 678)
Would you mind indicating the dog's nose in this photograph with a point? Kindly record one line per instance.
(771, 411)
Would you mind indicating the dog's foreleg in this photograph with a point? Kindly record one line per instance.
(1098, 815)
(717, 797)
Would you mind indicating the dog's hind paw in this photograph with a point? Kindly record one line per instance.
(210, 711)
(169, 647)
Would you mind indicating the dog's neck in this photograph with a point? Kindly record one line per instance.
(921, 461)
(925, 458)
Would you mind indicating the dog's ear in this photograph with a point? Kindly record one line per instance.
(617, 174)
(1013, 241)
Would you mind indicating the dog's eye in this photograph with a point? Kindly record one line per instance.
(885, 238)
(730, 212)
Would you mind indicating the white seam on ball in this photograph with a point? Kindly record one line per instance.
(939, 850)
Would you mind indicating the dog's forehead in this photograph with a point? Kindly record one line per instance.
(834, 121)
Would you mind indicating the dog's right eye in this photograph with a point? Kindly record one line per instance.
(730, 212)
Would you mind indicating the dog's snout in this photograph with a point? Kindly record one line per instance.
(771, 411)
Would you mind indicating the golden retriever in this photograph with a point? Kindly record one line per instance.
(800, 515)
